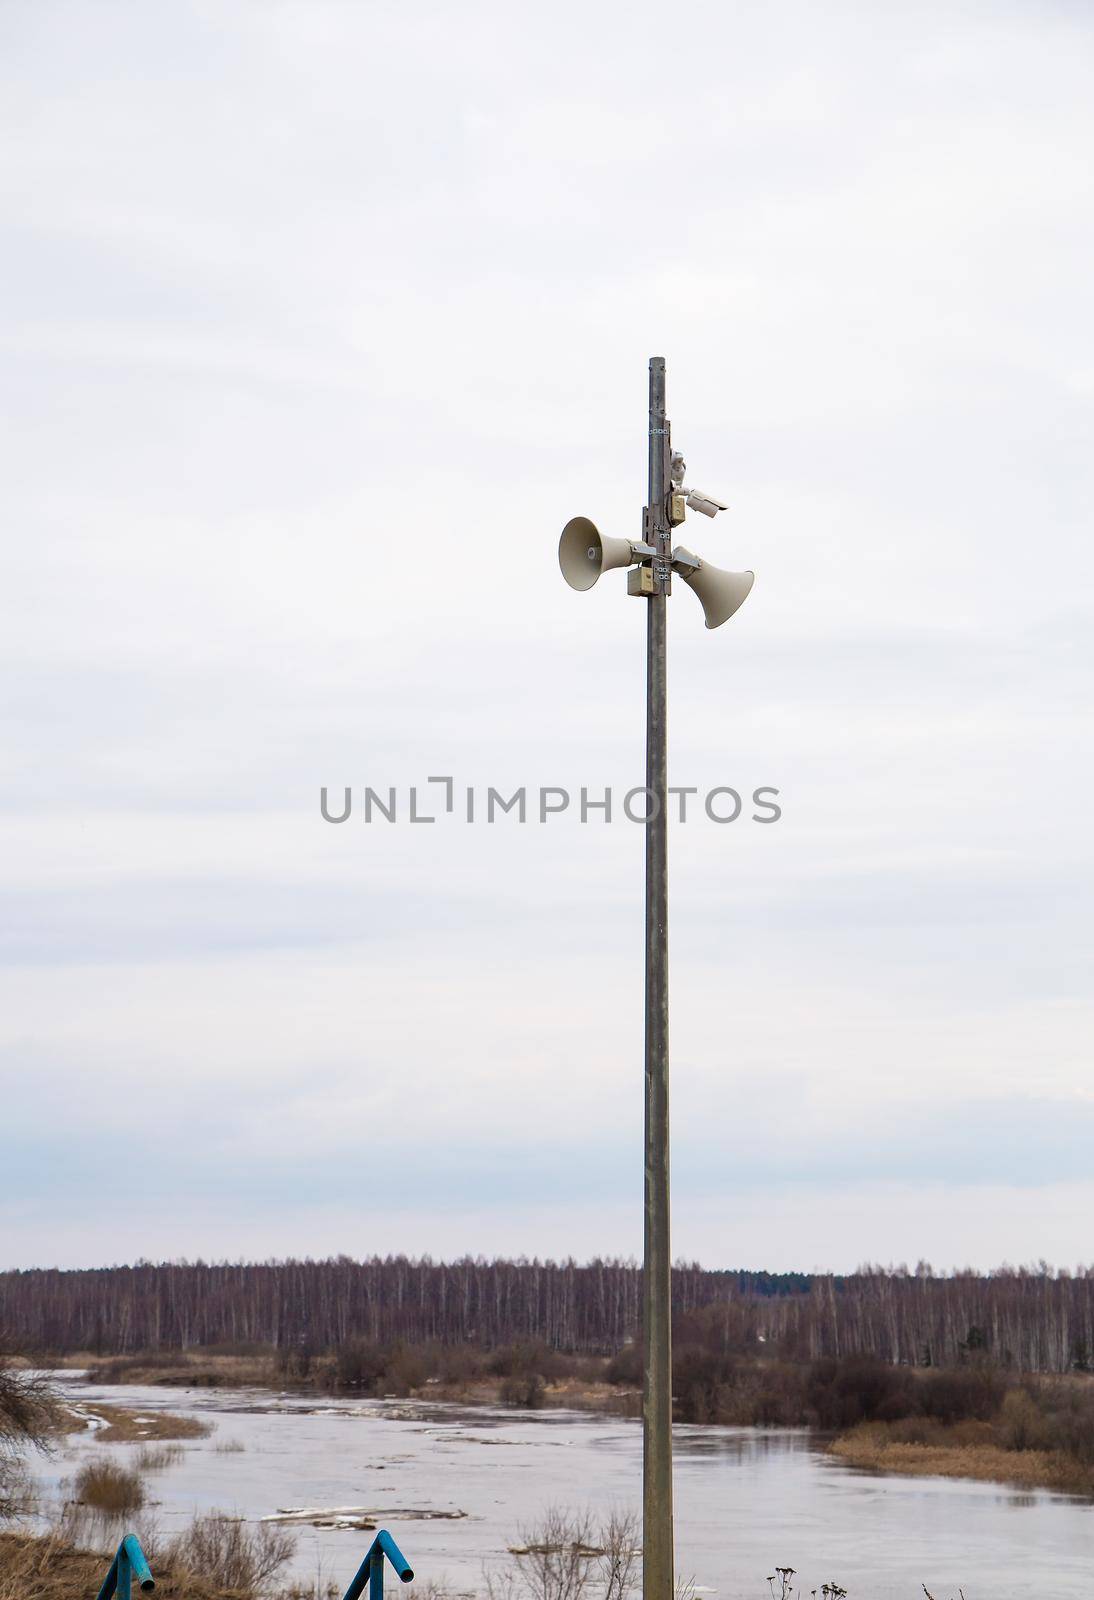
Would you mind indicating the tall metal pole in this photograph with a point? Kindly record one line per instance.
(657, 1542)
(582, 556)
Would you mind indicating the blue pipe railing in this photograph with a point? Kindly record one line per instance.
(128, 1563)
(370, 1574)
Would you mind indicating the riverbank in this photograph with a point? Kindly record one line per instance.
(977, 1420)
(51, 1567)
(962, 1451)
(525, 1379)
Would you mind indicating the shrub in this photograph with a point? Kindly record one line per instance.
(626, 1366)
(358, 1364)
(518, 1360)
(699, 1380)
(779, 1398)
(405, 1370)
(954, 1395)
(227, 1551)
(842, 1393)
(110, 1488)
(1067, 1412)
(524, 1389)
(571, 1555)
(378, 1369)
(294, 1363)
(1021, 1425)
(457, 1363)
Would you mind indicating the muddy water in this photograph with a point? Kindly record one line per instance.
(455, 1485)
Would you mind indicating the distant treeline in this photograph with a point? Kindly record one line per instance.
(593, 1307)
(1033, 1319)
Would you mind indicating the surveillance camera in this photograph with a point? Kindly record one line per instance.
(705, 503)
(677, 467)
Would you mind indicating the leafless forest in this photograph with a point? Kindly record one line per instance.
(1034, 1319)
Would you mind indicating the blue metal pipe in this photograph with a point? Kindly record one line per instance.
(110, 1582)
(370, 1574)
(131, 1545)
(128, 1563)
(360, 1582)
(395, 1555)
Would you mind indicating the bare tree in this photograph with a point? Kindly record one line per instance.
(28, 1420)
(622, 1552)
(570, 1555)
(553, 1557)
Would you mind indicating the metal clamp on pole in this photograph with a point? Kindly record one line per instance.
(128, 1563)
(370, 1574)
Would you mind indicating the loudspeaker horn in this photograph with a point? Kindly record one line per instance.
(720, 593)
(584, 553)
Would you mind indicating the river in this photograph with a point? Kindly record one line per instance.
(747, 1499)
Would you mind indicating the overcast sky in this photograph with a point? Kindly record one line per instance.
(319, 320)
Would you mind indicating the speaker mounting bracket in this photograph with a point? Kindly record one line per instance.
(652, 577)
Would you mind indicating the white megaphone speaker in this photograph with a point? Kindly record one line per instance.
(720, 593)
(584, 553)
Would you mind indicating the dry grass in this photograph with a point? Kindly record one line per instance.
(960, 1452)
(158, 1457)
(232, 1553)
(109, 1488)
(589, 1394)
(47, 1568)
(52, 1568)
(136, 1427)
(217, 1554)
(575, 1394)
(187, 1370)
